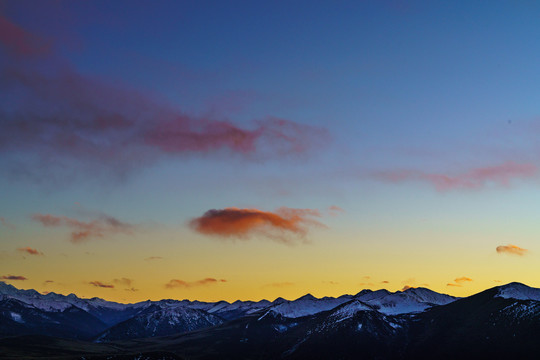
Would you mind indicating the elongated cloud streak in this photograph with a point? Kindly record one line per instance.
(29, 251)
(175, 283)
(243, 223)
(150, 258)
(83, 231)
(458, 282)
(13, 277)
(66, 122)
(511, 250)
(101, 285)
(6, 223)
(474, 179)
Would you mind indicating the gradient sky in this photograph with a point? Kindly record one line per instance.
(245, 150)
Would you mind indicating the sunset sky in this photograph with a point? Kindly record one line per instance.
(223, 150)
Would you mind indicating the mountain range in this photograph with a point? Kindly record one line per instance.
(411, 324)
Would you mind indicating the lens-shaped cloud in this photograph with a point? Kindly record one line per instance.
(511, 250)
(244, 223)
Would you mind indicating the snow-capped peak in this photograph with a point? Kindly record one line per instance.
(518, 291)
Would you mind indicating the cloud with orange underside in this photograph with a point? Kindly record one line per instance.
(473, 179)
(176, 283)
(458, 282)
(511, 250)
(29, 251)
(86, 230)
(245, 223)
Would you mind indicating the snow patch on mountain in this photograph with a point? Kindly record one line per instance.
(518, 291)
(306, 305)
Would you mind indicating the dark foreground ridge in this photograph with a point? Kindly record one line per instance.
(502, 322)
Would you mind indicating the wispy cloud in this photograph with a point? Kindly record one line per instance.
(123, 281)
(335, 210)
(19, 42)
(511, 250)
(473, 179)
(6, 223)
(67, 122)
(13, 277)
(458, 282)
(83, 231)
(407, 287)
(101, 284)
(279, 284)
(244, 223)
(150, 258)
(175, 283)
(29, 251)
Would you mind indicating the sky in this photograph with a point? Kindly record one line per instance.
(246, 150)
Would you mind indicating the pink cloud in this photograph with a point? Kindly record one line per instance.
(20, 42)
(71, 123)
(83, 231)
(335, 210)
(477, 178)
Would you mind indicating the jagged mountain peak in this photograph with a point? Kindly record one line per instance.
(307, 297)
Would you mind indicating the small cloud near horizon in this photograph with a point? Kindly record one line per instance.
(150, 258)
(511, 250)
(123, 281)
(14, 277)
(279, 284)
(30, 251)
(101, 284)
(175, 283)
